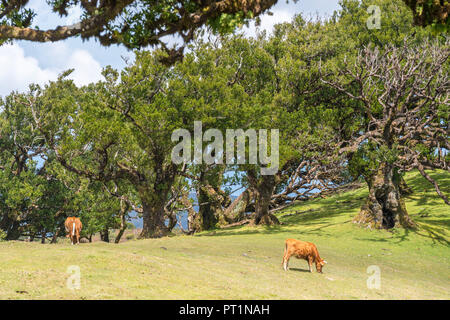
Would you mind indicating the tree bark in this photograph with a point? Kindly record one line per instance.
(236, 210)
(154, 197)
(123, 221)
(384, 207)
(153, 219)
(211, 199)
(263, 195)
(43, 236)
(210, 214)
(55, 236)
(104, 235)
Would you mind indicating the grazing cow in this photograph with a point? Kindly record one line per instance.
(302, 250)
(73, 227)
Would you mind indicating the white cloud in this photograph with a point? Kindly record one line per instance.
(87, 69)
(73, 15)
(24, 63)
(18, 71)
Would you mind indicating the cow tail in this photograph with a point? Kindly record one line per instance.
(73, 229)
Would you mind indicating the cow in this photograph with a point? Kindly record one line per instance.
(302, 250)
(73, 228)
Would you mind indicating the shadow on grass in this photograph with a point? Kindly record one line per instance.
(330, 208)
(400, 235)
(425, 199)
(442, 223)
(420, 184)
(238, 230)
(424, 192)
(432, 233)
(298, 270)
(329, 211)
(321, 219)
(319, 214)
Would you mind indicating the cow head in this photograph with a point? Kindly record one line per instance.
(320, 264)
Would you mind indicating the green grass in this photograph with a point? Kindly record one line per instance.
(245, 262)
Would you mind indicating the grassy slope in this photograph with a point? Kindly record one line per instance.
(244, 262)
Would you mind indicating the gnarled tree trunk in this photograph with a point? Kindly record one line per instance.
(236, 210)
(153, 221)
(385, 207)
(154, 197)
(210, 208)
(263, 194)
(211, 199)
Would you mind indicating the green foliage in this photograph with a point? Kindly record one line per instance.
(68, 150)
(3, 235)
(226, 23)
(431, 12)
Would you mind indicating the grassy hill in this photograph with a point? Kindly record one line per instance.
(245, 262)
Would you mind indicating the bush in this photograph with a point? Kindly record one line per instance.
(2, 235)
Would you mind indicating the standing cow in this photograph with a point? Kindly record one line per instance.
(302, 250)
(73, 228)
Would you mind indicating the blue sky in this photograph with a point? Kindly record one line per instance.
(23, 63)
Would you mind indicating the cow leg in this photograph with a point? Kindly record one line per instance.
(310, 264)
(286, 262)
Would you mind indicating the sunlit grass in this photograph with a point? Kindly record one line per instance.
(245, 262)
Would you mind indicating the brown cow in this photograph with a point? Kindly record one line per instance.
(73, 227)
(302, 250)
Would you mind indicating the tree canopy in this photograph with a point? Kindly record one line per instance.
(348, 103)
(141, 23)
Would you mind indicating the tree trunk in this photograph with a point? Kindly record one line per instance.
(10, 226)
(264, 191)
(172, 220)
(236, 210)
(104, 235)
(123, 221)
(210, 213)
(191, 214)
(43, 236)
(154, 197)
(211, 200)
(55, 236)
(206, 217)
(384, 207)
(153, 219)
(120, 234)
